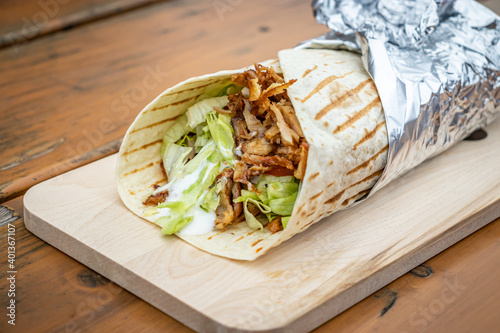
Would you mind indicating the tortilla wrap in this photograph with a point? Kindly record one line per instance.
(340, 113)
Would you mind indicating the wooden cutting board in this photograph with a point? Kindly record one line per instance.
(298, 285)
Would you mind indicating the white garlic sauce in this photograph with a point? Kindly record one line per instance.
(203, 222)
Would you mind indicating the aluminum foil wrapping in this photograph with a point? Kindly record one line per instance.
(436, 65)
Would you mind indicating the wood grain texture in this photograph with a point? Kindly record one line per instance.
(24, 20)
(49, 278)
(58, 294)
(303, 282)
(73, 94)
(91, 303)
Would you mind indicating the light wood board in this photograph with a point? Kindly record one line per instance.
(294, 287)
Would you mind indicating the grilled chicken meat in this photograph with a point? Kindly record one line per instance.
(268, 137)
(225, 211)
(268, 140)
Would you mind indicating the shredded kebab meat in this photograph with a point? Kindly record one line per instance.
(267, 132)
(155, 199)
(268, 140)
(268, 136)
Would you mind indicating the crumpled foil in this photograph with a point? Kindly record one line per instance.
(436, 65)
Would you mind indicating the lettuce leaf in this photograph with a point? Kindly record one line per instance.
(174, 158)
(222, 133)
(174, 132)
(230, 89)
(211, 199)
(177, 218)
(205, 152)
(186, 139)
(283, 206)
(197, 113)
(251, 220)
(284, 221)
(277, 190)
(202, 137)
(246, 195)
(275, 196)
(222, 89)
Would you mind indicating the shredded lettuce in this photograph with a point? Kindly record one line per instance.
(174, 158)
(230, 89)
(252, 221)
(174, 132)
(247, 195)
(211, 199)
(283, 206)
(222, 133)
(209, 149)
(197, 113)
(191, 183)
(274, 196)
(284, 221)
(202, 137)
(178, 218)
(222, 89)
(186, 139)
(175, 220)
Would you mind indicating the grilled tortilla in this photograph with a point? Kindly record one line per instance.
(341, 118)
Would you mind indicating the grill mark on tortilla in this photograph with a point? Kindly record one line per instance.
(300, 207)
(358, 115)
(257, 242)
(257, 251)
(323, 84)
(309, 71)
(217, 234)
(306, 225)
(314, 176)
(360, 194)
(315, 196)
(155, 124)
(251, 232)
(334, 198)
(189, 89)
(143, 168)
(172, 104)
(341, 193)
(342, 99)
(367, 162)
(368, 135)
(331, 184)
(142, 147)
(239, 239)
(159, 182)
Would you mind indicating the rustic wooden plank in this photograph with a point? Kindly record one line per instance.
(456, 291)
(24, 20)
(299, 284)
(73, 94)
(56, 293)
(82, 300)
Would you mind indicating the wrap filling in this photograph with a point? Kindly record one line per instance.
(236, 155)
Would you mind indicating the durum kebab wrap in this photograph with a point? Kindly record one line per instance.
(239, 161)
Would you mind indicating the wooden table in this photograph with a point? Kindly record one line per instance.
(73, 75)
